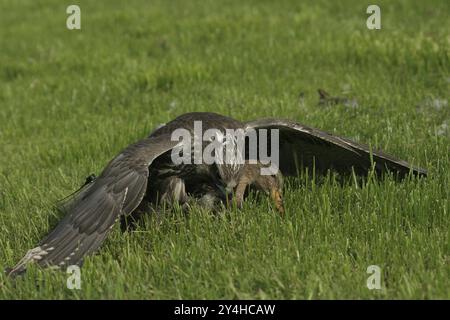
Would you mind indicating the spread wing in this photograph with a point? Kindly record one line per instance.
(92, 212)
(308, 147)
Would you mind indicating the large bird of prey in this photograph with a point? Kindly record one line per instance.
(144, 174)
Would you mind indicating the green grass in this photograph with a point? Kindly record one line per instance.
(71, 100)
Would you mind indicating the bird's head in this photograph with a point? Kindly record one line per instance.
(229, 161)
(229, 175)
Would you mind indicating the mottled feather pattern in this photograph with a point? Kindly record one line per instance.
(145, 169)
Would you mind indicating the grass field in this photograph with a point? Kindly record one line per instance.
(72, 99)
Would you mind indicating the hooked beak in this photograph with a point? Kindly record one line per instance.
(228, 193)
(230, 187)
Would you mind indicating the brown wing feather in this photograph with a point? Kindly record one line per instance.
(92, 212)
(305, 146)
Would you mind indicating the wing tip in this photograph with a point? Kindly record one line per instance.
(420, 172)
(15, 271)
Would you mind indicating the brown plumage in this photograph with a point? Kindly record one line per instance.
(143, 176)
(270, 184)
